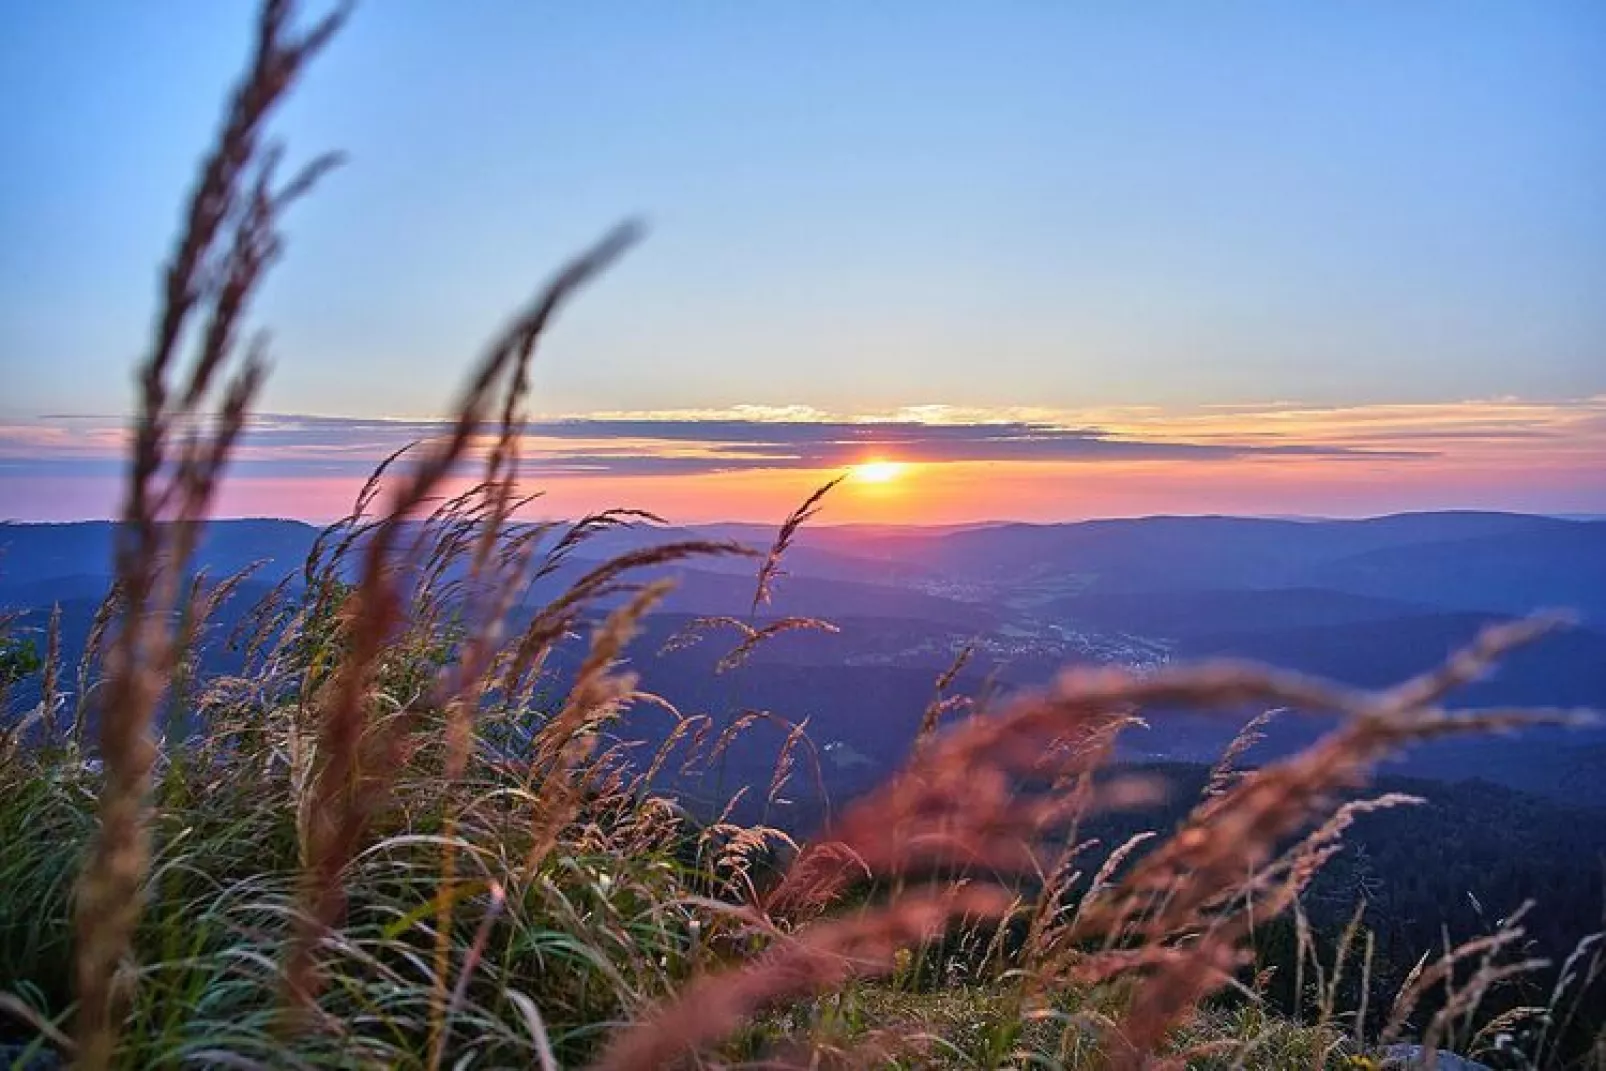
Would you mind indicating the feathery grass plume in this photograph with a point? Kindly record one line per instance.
(570, 738)
(50, 688)
(730, 850)
(941, 703)
(179, 451)
(769, 571)
(738, 725)
(1301, 862)
(257, 625)
(552, 875)
(1425, 976)
(1495, 1035)
(586, 527)
(953, 806)
(356, 757)
(819, 958)
(1463, 1002)
(1112, 862)
(89, 661)
(1224, 772)
(345, 532)
(967, 806)
(1583, 965)
(196, 612)
(694, 630)
(553, 621)
(1327, 987)
(1193, 886)
(1057, 884)
(688, 728)
(795, 734)
(978, 798)
(1079, 791)
(753, 637)
(784, 763)
(494, 583)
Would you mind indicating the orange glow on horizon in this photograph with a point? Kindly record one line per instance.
(959, 492)
(1541, 457)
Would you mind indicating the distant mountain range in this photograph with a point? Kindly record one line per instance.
(1366, 602)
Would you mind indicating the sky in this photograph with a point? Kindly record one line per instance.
(1057, 260)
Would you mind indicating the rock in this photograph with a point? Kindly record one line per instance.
(1415, 1056)
(12, 1058)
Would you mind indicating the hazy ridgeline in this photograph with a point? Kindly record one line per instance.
(396, 814)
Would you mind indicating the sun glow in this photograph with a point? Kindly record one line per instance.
(878, 471)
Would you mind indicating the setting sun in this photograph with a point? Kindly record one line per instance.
(878, 471)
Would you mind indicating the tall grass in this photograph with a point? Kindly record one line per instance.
(380, 845)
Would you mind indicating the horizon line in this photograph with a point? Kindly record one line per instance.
(1577, 517)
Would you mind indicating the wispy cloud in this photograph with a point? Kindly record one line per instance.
(675, 444)
(1479, 452)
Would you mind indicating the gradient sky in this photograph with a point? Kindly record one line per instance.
(1181, 257)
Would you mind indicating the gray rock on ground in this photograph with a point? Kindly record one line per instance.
(1402, 1057)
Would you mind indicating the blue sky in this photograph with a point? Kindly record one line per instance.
(854, 208)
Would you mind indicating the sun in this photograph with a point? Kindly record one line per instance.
(878, 471)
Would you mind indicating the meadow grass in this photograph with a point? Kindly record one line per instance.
(378, 845)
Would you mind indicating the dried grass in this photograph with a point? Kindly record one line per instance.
(770, 569)
(179, 450)
(976, 809)
(400, 700)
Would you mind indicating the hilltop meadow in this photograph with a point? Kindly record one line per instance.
(443, 786)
